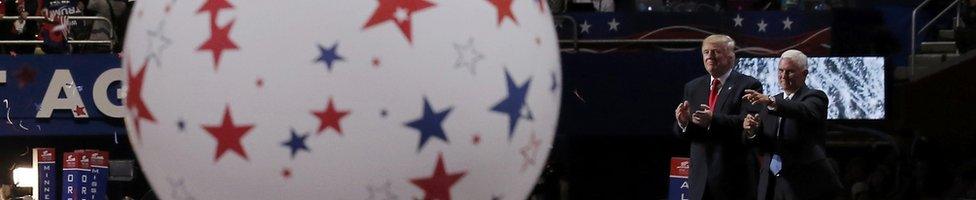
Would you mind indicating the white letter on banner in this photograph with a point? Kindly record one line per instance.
(62, 82)
(100, 94)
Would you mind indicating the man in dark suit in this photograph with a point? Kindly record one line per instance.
(722, 167)
(792, 137)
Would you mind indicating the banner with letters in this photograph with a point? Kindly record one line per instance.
(61, 95)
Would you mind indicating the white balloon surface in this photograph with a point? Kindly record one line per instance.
(326, 99)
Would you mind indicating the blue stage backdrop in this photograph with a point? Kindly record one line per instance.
(57, 95)
(624, 93)
(614, 138)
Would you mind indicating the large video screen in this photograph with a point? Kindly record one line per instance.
(854, 85)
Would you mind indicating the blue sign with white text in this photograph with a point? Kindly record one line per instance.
(61, 95)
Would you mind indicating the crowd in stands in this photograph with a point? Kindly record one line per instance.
(56, 29)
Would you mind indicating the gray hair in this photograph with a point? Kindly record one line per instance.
(796, 57)
(719, 38)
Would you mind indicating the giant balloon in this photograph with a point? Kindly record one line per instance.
(330, 99)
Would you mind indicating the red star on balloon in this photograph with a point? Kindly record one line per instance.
(476, 139)
(80, 111)
(133, 97)
(542, 5)
(330, 117)
(400, 12)
(218, 42)
(286, 173)
(504, 8)
(438, 185)
(228, 135)
(376, 62)
(213, 7)
(529, 151)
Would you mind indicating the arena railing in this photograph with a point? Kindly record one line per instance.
(916, 32)
(109, 42)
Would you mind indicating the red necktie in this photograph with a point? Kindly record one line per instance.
(713, 94)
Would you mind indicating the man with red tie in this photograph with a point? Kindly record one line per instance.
(722, 167)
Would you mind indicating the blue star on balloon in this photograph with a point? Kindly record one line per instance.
(297, 142)
(329, 55)
(555, 83)
(513, 103)
(429, 124)
(181, 124)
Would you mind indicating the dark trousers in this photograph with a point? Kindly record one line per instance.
(707, 194)
(779, 189)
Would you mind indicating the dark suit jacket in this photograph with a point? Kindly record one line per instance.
(800, 145)
(720, 161)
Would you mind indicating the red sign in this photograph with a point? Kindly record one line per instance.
(680, 167)
(45, 155)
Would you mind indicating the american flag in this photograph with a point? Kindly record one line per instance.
(756, 33)
(772, 33)
(384, 99)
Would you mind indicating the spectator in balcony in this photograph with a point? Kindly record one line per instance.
(6, 30)
(966, 35)
(114, 11)
(21, 29)
(56, 29)
(791, 5)
(604, 5)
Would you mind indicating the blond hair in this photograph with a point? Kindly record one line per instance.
(720, 39)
